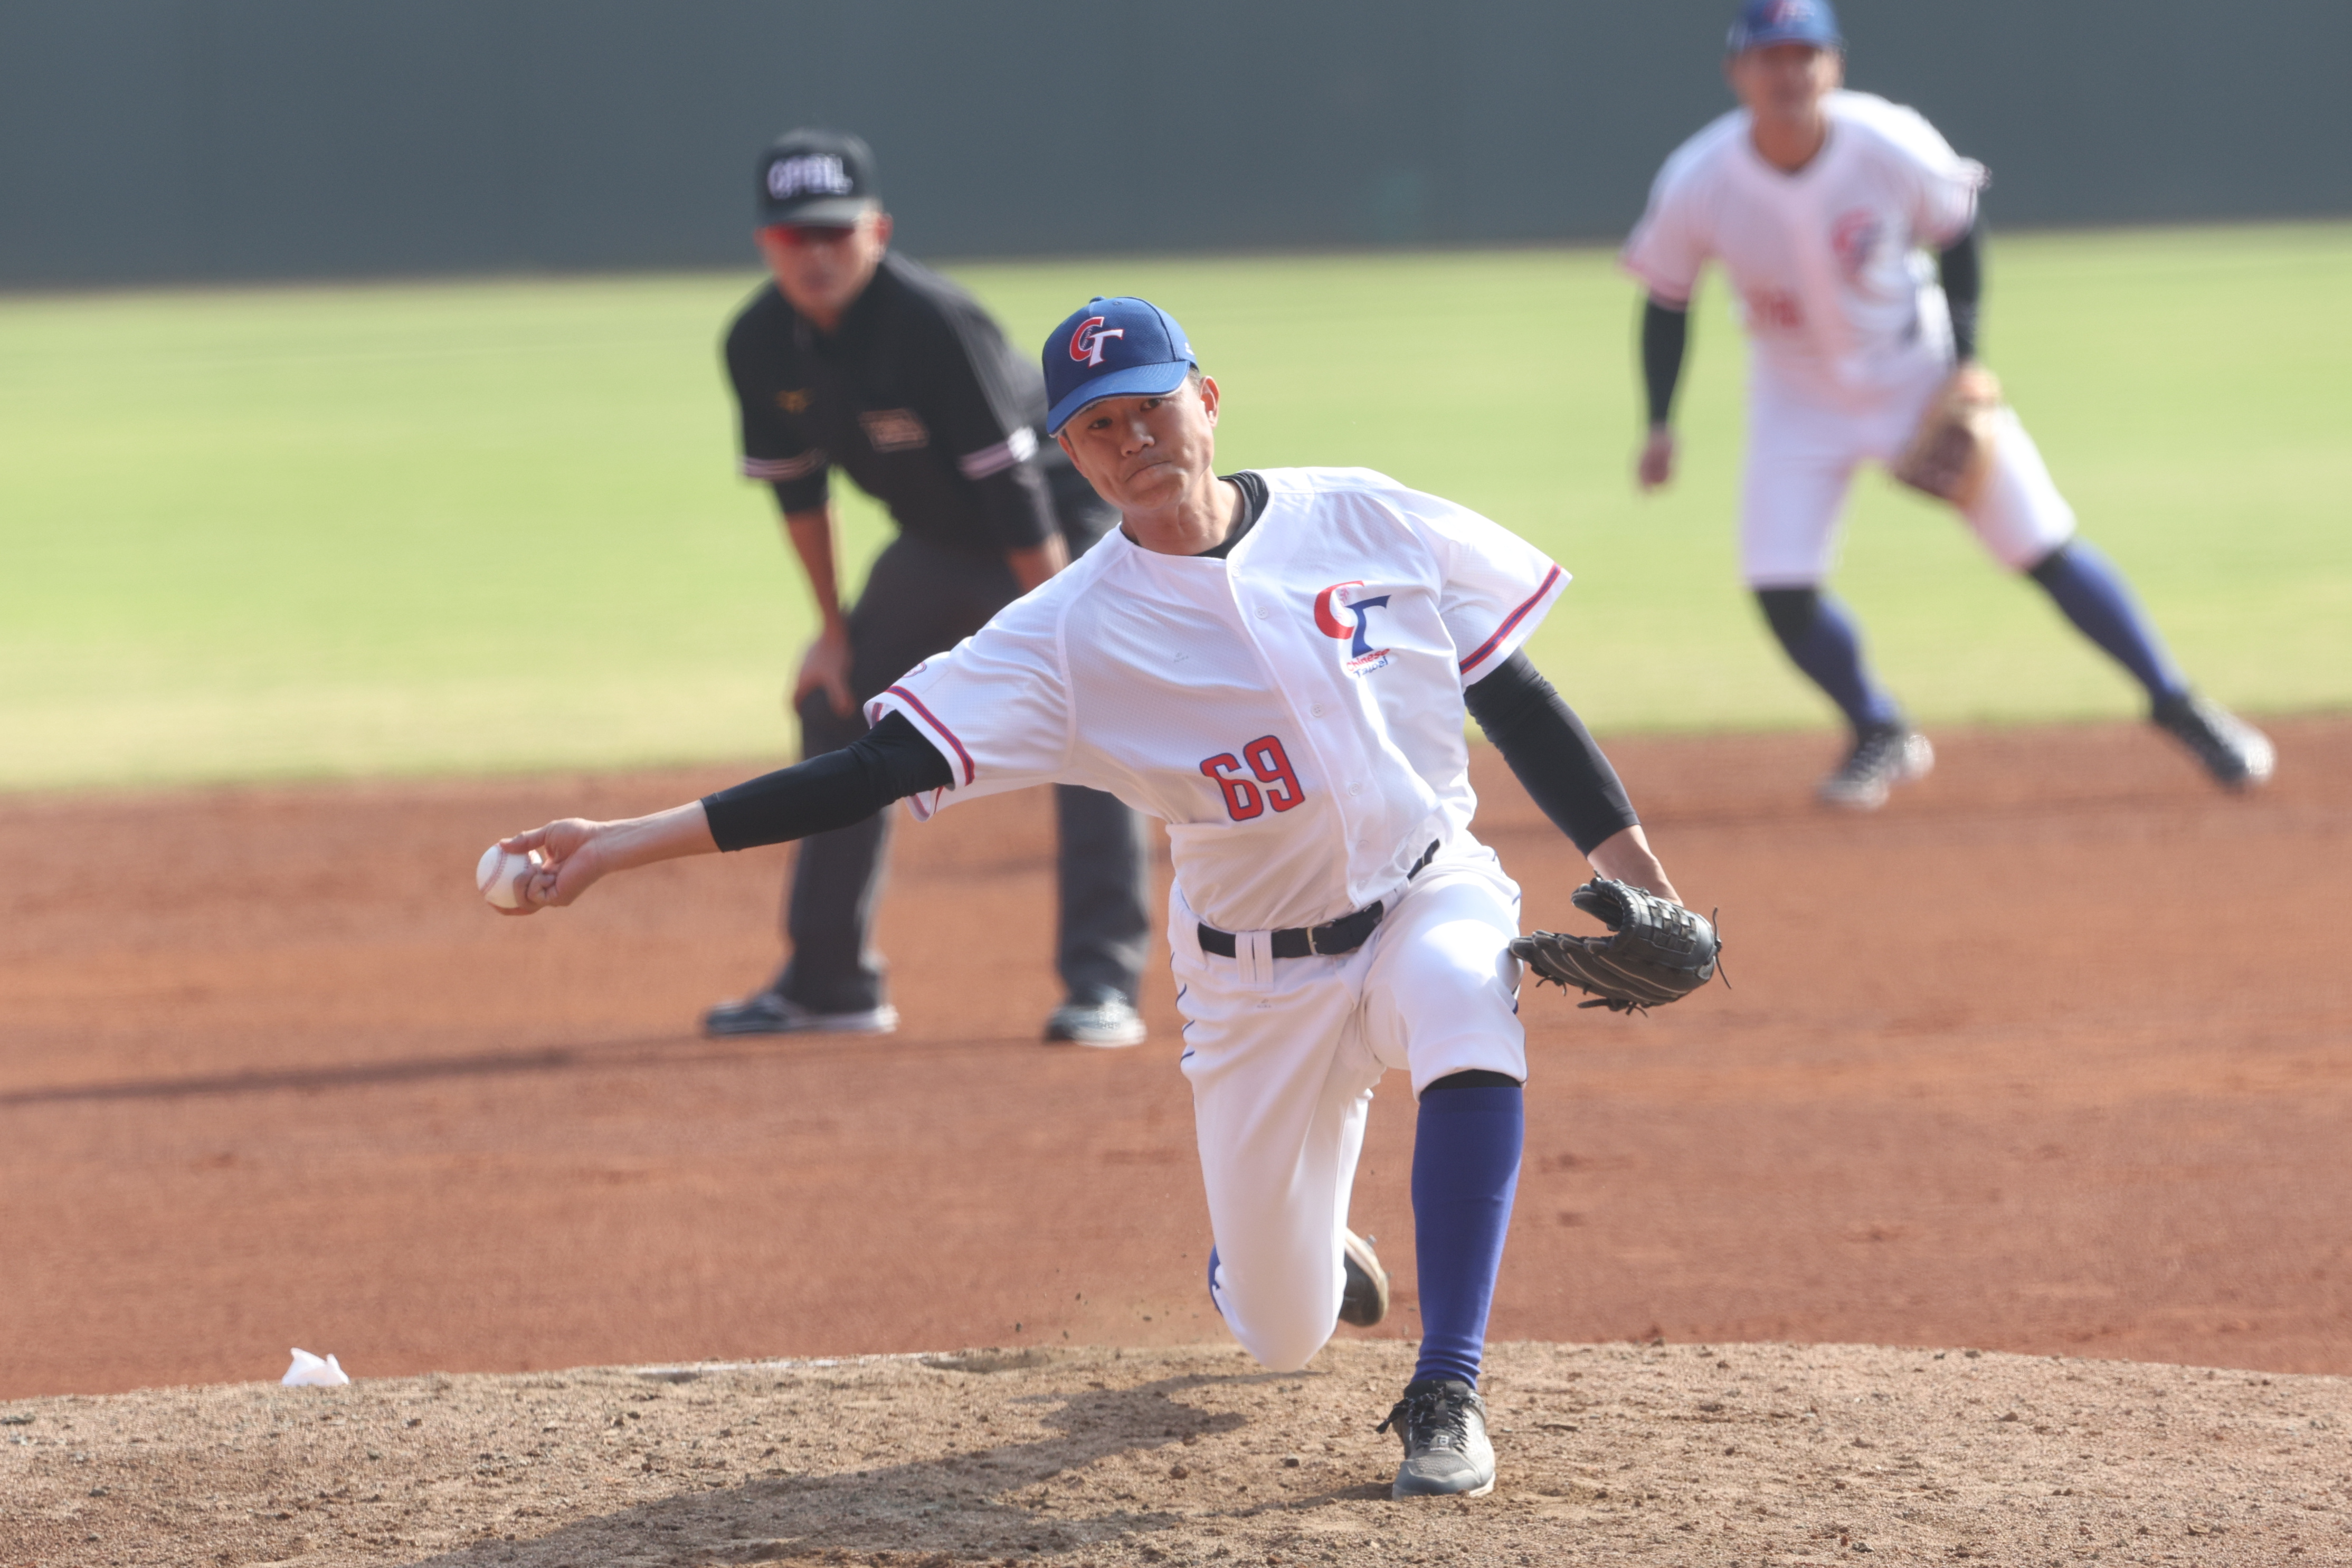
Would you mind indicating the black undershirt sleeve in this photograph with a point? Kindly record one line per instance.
(1552, 752)
(1665, 333)
(1959, 266)
(889, 762)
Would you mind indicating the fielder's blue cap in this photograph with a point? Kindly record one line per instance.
(1124, 347)
(1764, 22)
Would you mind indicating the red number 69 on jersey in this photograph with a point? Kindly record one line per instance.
(1268, 761)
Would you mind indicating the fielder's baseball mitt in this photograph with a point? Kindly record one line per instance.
(1656, 952)
(1950, 454)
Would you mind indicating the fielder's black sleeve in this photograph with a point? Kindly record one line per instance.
(1960, 267)
(889, 762)
(1666, 332)
(1552, 752)
(979, 415)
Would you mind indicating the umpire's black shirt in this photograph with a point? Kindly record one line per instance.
(916, 395)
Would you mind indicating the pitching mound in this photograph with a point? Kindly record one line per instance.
(1621, 1454)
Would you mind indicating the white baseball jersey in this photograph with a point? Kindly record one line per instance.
(1840, 300)
(1293, 712)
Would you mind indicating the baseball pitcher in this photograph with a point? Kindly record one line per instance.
(1276, 664)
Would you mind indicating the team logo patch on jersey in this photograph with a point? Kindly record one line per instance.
(1855, 238)
(895, 429)
(1086, 342)
(1346, 617)
(793, 400)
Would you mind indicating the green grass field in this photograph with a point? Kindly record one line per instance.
(439, 527)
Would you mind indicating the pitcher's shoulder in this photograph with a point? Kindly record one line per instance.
(1329, 481)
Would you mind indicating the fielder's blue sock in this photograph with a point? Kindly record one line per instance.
(1822, 641)
(1465, 1168)
(2092, 593)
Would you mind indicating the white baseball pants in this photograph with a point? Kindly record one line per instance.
(1282, 1053)
(1801, 454)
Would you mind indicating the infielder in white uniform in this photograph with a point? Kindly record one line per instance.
(1821, 204)
(1277, 665)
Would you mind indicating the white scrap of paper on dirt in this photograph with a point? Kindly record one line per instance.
(312, 1371)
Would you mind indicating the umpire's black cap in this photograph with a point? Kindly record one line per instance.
(820, 177)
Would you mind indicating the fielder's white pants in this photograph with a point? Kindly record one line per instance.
(1282, 1053)
(1801, 454)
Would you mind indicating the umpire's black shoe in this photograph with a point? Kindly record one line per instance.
(765, 1012)
(1365, 1300)
(2235, 753)
(1111, 1022)
(1444, 1425)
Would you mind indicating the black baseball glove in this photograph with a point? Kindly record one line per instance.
(1656, 952)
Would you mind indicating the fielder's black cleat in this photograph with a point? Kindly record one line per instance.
(1365, 1300)
(1444, 1425)
(2235, 753)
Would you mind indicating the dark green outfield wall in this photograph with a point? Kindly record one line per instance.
(167, 140)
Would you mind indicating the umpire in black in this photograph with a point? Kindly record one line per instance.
(854, 358)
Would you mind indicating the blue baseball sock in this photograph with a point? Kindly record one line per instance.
(1465, 1168)
(1823, 642)
(2092, 593)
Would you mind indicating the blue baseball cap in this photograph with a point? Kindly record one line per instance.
(1124, 347)
(1764, 22)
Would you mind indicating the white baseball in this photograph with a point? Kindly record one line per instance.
(499, 870)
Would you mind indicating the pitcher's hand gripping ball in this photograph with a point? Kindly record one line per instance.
(1656, 952)
(499, 871)
(1950, 454)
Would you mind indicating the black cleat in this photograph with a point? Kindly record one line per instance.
(1883, 756)
(1444, 1425)
(2235, 753)
(1365, 1302)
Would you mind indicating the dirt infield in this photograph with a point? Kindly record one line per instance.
(2051, 1057)
(1613, 1454)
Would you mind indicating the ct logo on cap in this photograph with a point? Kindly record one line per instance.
(1782, 12)
(1086, 342)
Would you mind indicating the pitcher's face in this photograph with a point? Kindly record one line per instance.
(1141, 453)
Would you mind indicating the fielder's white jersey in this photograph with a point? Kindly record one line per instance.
(1293, 712)
(1838, 297)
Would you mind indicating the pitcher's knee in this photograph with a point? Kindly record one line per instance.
(1284, 1347)
(1282, 1326)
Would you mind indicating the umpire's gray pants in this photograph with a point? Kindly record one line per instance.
(920, 599)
